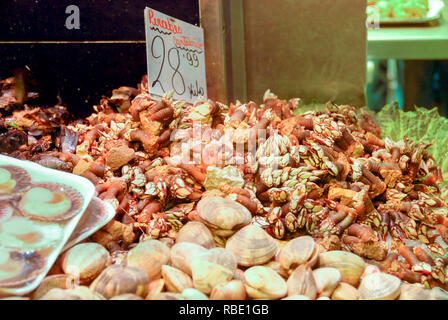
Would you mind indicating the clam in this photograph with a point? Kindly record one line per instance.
(193, 294)
(370, 268)
(127, 296)
(252, 246)
(276, 266)
(196, 232)
(212, 268)
(327, 279)
(168, 296)
(230, 290)
(439, 294)
(13, 180)
(415, 291)
(379, 286)
(349, 265)
(60, 294)
(344, 291)
(118, 279)
(264, 283)
(168, 241)
(50, 202)
(182, 253)
(298, 251)
(19, 232)
(297, 297)
(78, 293)
(176, 280)
(15, 298)
(85, 261)
(223, 216)
(302, 282)
(154, 288)
(19, 267)
(61, 281)
(149, 255)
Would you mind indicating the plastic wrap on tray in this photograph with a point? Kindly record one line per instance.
(39, 209)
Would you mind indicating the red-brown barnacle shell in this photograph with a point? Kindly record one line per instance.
(13, 180)
(17, 268)
(50, 202)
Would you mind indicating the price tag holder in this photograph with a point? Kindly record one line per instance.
(175, 57)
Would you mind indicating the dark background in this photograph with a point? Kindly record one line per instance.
(80, 73)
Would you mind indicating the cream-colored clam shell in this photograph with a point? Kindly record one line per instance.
(196, 232)
(176, 280)
(231, 290)
(252, 246)
(193, 294)
(61, 281)
(302, 282)
(298, 251)
(183, 253)
(154, 288)
(78, 293)
(118, 279)
(327, 279)
(276, 266)
(150, 256)
(439, 294)
(168, 296)
(415, 291)
(297, 297)
(349, 265)
(212, 268)
(344, 291)
(85, 261)
(264, 283)
(223, 215)
(379, 286)
(127, 296)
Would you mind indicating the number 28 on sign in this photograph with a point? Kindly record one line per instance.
(175, 56)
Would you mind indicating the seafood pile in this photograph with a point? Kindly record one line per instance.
(247, 201)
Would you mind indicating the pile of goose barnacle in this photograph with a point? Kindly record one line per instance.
(274, 206)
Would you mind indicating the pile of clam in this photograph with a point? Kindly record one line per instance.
(251, 264)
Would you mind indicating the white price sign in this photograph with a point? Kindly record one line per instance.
(175, 56)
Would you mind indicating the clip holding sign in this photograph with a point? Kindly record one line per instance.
(175, 57)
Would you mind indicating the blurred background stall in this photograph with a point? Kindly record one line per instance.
(407, 62)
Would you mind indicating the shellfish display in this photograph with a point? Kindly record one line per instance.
(321, 207)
